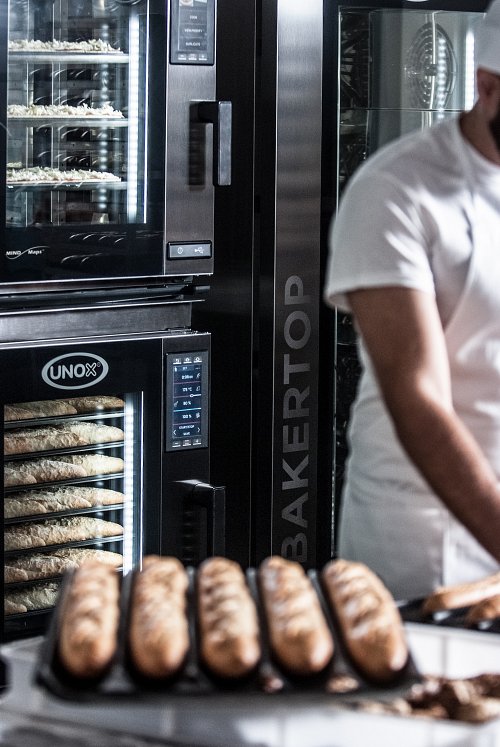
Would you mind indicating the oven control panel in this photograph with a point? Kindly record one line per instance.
(187, 400)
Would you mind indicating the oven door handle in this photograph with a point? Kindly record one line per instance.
(220, 115)
(213, 500)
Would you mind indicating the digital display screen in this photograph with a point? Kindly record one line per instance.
(187, 416)
(193, 32)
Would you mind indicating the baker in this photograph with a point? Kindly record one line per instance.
(415, 257)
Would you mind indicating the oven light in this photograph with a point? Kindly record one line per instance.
(133, 484)
(133, 120)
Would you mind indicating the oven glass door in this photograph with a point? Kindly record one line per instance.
(81, 431)
(86, 120)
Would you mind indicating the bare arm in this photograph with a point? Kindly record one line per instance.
(403, 335)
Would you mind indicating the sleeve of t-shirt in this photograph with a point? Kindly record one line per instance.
(378, 238)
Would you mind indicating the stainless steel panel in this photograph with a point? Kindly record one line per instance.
(189, 207)
(293, 237)
(58, 324)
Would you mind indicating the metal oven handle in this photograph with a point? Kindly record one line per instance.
(219, 113)
(213, 500)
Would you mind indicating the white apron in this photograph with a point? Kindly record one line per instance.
(401, 530)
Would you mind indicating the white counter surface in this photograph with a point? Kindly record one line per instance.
(257, 720)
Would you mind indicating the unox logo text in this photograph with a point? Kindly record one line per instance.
(75, 371)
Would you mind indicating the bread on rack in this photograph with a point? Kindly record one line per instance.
(64, 498)
(38, 409)
(84, 405)
(37, 565)
(88, 620)
(227, 617)
(300, 638)
(38, 597)
(94, 464)
(369, 620)
(158, 630)
(69, 435)
(58, 532)
(41, 470)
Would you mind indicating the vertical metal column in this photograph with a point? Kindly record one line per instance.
(286, 438)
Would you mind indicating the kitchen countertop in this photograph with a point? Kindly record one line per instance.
(227, 719)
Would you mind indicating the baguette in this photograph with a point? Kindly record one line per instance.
(94, 464)
(38, 409)
(50, 500)
(85, 405)
(461, 595)
(58, 531)
(228, 623)
(39, 597)
(70, 435)
(44, 565)
(36, 471)
(158, 629)
(369, 621)
(88, 621)
(299, 636)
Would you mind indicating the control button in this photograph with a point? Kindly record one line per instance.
(186, 442)
(196, 441)
(189, 250)
(176, 444)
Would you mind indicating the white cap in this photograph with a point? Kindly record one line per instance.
(487, 39)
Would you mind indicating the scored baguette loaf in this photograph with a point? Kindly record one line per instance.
(26, 440)
(58, 531)
(158, 630)
(36, 471)
(85, 405)
(299, 635)
(39, 597)
(88, 620)
(461, 595)
(44, 565)
(50, 500)
(38, 409)
(94, 464)
(227, 616)
(369, 621)
(69, 435)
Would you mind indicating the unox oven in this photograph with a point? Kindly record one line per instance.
(106, 454)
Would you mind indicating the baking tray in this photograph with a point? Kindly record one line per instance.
(268, 678)
(411, 612)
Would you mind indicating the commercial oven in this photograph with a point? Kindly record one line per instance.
(112, 142)
(105, 455)
(391, 67)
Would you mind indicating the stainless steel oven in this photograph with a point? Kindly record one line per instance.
(106, 455)
(112, 142)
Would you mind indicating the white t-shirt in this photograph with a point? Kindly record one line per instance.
(406, 219)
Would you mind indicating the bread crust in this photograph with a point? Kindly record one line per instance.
(64, 498)
(369, 621)
(39, 597)
(94, 464)
(36, 471)
(299, 635)
(38, 409)
(158, 625)
(67, 436)
(461, 595)
(88, 621)
(227, 617)
(58, 531)
(38, 565)
(94, 404)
